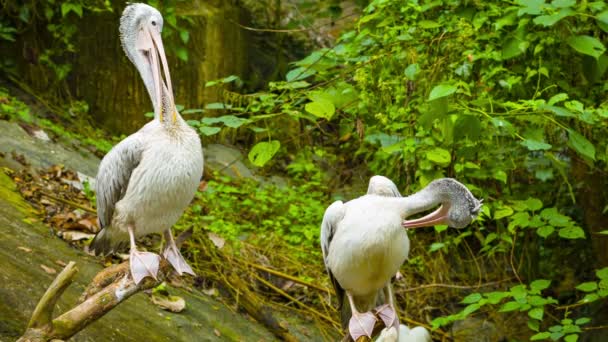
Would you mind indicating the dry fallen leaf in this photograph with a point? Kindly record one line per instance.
(47, 269)
(211, 292)
(75, 235)
(217, 332)
(25, 249)
(61, 263)
(169, 303)
(217, 240)
(89, 224)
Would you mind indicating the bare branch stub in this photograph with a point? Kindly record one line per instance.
(43, 313)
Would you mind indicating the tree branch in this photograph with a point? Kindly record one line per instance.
(43, 314)
(109, 288)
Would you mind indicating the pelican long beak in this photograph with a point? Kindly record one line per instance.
(439, 216)
(150, 42)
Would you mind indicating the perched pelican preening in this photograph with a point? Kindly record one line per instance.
(146, 181)
(364, 243)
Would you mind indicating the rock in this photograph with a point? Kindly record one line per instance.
(226, 160)
(25, 246)
(473, 329)
(169, 303)
(41, 154)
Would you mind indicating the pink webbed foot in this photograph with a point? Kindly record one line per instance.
(143, 264)
(388, 315)
(176, 260)
(361, 324)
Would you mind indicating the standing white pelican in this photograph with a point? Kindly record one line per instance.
(364, 243)
(145, 183)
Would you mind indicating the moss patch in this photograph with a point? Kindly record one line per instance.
(9, 192)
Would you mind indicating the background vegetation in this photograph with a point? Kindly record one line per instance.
(507, 97)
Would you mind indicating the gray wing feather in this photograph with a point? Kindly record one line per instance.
(111, 184)
(333, 215)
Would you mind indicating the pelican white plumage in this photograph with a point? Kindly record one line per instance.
(146, 181)
(416, 334)
(364, 243)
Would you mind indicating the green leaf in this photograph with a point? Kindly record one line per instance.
(540, 336)
(441, 227)
(572, 232)
(472, 298)
(534, 145)
(536, 313)
(589, 286)
(184, 35)
(496, 297)
(435, 246)
(563, 3)
(68, 7)
(581, 145)
(559, 111)
(533, 204)
(503, 212)
(590, 297)
(428, 24)
(587, 45)
(299, 74)
(439, 156)
(182, 53)
(551, 19)
(412, 71)
(209, 130)
(500, 175)
(603, 17)
(582, 320)
(515, 45)
(233, 121)
(571, 338)
(534, 325)
(217, 105)
(321, 108)
(602, 273)
(442, 90)
(540, 284)
(467, 126)
(557, 98)
(509, 306)
(545, 231)
(263, 152)
(192, 111)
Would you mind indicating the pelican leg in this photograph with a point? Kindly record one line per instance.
(174, 257)
(360, 324)
(143, 264)
(387, 311)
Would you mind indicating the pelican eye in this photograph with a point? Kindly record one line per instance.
(153, 22)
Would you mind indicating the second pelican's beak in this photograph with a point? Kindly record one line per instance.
(150, 44)
(439, 216)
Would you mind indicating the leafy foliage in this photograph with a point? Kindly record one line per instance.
(506, 96)
(245, 210)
